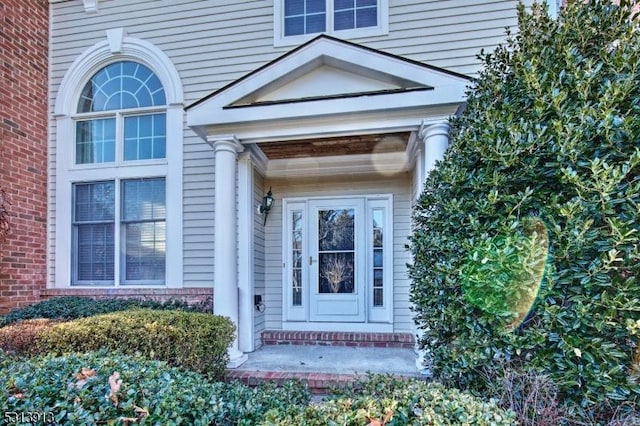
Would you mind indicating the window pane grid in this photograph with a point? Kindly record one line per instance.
(95, 141)
(145, 137)
(93, 232)
(378, 258)
(304, 17)
(122, 85)
(144, 231)
(350, 14)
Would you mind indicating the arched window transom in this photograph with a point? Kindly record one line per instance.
(122, 85)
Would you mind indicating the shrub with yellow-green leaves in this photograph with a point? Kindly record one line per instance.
(383, 400)
(195, 341)
(21, 338)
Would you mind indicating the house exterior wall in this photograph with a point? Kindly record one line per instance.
(398, 186)
(23, 149)
(258, 257)
(214, 43)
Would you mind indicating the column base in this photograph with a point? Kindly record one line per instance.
(236, 358)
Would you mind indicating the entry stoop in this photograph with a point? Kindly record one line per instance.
(339, 338)
(326, 360)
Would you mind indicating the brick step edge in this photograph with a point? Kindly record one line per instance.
(339, 338)
(317, 383)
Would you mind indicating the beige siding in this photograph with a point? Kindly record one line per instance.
(400, 187)
(212, 43)
(258, 256)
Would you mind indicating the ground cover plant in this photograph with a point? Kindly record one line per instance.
(110, 388)
(545, 158)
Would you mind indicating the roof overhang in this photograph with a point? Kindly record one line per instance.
(329, 87)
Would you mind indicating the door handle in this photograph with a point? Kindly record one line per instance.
(310, 260)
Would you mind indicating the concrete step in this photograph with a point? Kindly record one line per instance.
(338, 338)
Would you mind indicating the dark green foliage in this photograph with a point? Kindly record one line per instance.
(191, 340)
(72, 307)
(398, 402)
(163, 395)
(551, 130)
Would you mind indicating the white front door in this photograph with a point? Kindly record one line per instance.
(336, 260)
(338, 263)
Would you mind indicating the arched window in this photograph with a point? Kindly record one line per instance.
(121, 119)
(121, 116)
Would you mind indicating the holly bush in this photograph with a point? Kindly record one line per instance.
(550, 139)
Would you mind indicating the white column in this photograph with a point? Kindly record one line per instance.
(435, 141)
(225, 293)
(246, 217)
(435, 137)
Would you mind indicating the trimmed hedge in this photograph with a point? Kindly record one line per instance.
(76, 390)
(392, 401)
(191, 340)
(21, 338)
(73, 307)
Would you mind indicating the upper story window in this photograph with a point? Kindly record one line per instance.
(121, 116)
(296, 20)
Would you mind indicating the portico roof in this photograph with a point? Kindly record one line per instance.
(328, 87)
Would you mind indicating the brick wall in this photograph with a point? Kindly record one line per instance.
(24, 33)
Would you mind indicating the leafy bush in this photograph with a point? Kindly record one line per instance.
(395, 401)
(72, 307)
(550, 134)
(76, 389)
(22, 338)
(191, 340)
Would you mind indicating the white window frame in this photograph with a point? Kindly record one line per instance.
(279, 39)
(117, 47)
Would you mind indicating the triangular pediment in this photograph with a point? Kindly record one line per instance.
(327, 76)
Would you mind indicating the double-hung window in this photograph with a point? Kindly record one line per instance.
(296, 20)
(119, 218)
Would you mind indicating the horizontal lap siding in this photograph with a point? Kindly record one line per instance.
(258, 257)
(214, 43)
(401, 190)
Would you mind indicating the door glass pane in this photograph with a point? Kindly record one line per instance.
(337, 272)
(336, 251)
(336, 229)
(296, 278)
(378, 256)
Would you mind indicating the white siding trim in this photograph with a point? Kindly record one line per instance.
(100, 54)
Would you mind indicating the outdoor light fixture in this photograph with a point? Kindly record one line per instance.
(267, 203)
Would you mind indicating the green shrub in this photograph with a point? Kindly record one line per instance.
(550, 133)
(76, 390)
(21, 338)
(397, 401)
(72, 307)
(190, 340)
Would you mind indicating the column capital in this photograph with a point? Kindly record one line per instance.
(225, 143)
(429, 129)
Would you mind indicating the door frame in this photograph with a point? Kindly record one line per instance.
(296, 316)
